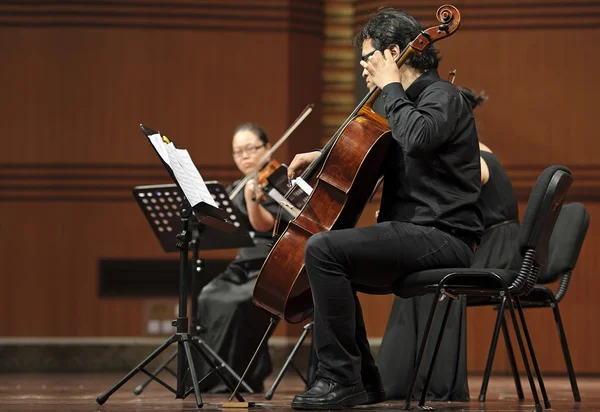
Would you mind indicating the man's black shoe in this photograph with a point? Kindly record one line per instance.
(326, 394)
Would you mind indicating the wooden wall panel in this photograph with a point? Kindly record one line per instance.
(527, 57)
(77, 79)
(339, 65)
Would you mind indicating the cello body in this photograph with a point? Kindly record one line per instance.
(340, 192)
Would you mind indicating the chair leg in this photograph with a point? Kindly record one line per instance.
(413, 380)
(511, 359)
(532, 353)
(492, 352)
(513, 316)
(434, 356)
(566, 353)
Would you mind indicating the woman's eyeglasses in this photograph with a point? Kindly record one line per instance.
(250, 150)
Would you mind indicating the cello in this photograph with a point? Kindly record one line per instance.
(343, 179)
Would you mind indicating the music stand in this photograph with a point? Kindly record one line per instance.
(159, 205)
(207, 216)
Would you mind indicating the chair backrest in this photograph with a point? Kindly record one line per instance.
(541, 213)
(566, 241)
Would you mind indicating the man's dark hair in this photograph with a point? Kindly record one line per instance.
(389, 26)
(254, 128)
(474, 100)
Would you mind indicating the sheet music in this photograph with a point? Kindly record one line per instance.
(187, 175)
(182, 177)
(160, 146)
(194, 175)
(185, 171)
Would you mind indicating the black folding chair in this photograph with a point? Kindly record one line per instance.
(565, 245)
(507, 286)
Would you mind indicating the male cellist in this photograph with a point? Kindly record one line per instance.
(428, 216)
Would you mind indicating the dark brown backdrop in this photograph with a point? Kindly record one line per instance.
(78, 78)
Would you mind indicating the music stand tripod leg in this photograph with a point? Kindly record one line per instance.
(139, 368)
(217, 369)
(163, 366)
(190, 362)
(203, 346)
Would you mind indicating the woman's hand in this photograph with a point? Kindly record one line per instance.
(260, 218)
(252, 191)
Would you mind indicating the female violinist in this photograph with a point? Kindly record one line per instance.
(233, 324)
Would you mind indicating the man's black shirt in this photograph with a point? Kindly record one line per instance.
(432, 169)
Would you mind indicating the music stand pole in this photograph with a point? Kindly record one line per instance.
(197, 264)
(182, 320)
(195, 325)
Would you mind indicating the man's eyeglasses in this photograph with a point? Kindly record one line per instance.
(366, 56)
(249, 150)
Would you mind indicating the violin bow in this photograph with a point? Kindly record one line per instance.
(452, 76)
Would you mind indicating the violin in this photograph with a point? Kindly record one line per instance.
(261, 179)
(265, 166)
(342, 178)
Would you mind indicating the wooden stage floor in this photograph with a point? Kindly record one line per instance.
(78, 392)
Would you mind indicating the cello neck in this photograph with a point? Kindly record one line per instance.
(365, 104)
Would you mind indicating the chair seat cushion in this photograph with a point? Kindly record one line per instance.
(425, 282)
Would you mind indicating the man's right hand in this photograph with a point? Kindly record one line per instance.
(300, 162)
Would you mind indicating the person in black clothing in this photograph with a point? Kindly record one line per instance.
(428, 217)
(397, 354)
(233, 324)
(498, 248)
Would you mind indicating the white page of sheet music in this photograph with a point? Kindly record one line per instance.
(160, 146)
(194, 175)
(184, 181)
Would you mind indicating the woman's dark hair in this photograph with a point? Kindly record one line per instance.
(390, 26)
(474, 100)
(254, 128)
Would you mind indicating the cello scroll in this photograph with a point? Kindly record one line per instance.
(449, 17)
